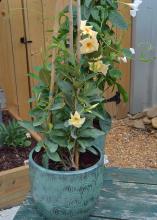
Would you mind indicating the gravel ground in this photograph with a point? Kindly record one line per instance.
(130, 147)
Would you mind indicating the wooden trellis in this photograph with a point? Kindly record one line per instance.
(22, 20)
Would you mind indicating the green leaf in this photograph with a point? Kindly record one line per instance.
(91, 133)
(27, 125)
(115, 73)
(95, 14)
(96, 26)
(105, 124)
(57, 106)
(52, 147)
(65, 86)
(127, 53)
(34, 76)
(39, 146)
(37, 68)
(122, 92)
(70, 146)
(85, 143)
(118, 20)
(27, 143)
(88, 2)
(45, 161)
(91, 149)
(54, 156)
(62, 142)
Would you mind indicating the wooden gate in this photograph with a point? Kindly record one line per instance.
(22, 20)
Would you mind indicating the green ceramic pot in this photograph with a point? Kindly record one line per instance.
(60, 195)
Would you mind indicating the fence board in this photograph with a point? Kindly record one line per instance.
(7, 73)
(19, 54)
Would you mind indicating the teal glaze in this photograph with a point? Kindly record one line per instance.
(99, 143)
(105, 126)
(61, 195)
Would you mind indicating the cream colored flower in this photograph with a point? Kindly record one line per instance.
(99, 67)
(87, 30)
(76, 120)
(83, 24)
(89, 45)
(28, 135)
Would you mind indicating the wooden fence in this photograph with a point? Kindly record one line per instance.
(30, 19)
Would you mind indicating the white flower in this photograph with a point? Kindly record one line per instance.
(134, 7)
(26, 162)
(76, 120)
(106, 161)
(87, 30)
(132, 50)
(28, 135)
(89, 45)
(124, 59)
(99, 67)
(133, 13)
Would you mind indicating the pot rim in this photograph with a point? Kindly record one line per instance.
(99, 163)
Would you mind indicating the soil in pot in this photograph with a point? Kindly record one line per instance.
(87, 159)
(11, 157)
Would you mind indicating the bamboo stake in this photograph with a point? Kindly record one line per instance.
(71, 25)
(77, 153)
(52, 81)
(78, 29)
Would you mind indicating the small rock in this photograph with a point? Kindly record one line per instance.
(152, 113)
(138, 115)
(154, 123)
(137, 124)
(147, 121)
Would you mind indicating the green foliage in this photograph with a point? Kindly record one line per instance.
(13, 135)
(78, 88)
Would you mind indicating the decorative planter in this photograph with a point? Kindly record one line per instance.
(65, 195)
(14, 183)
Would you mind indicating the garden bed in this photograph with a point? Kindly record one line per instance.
(14, 183)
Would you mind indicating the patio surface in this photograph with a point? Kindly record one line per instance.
(128, 194)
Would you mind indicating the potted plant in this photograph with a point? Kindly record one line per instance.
(66, 168)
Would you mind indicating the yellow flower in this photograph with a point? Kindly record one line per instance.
(76, 120)
(99, 67)
(89, 45)
(87, 30)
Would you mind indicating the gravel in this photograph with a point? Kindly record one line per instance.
(130, 147)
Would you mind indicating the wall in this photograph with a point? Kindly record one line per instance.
(144, 75)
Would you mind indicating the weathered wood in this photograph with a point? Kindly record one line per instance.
(146, 176)
(19, 56)
(14, 186)
(127, 201)
(7, 71)
(118, 199)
